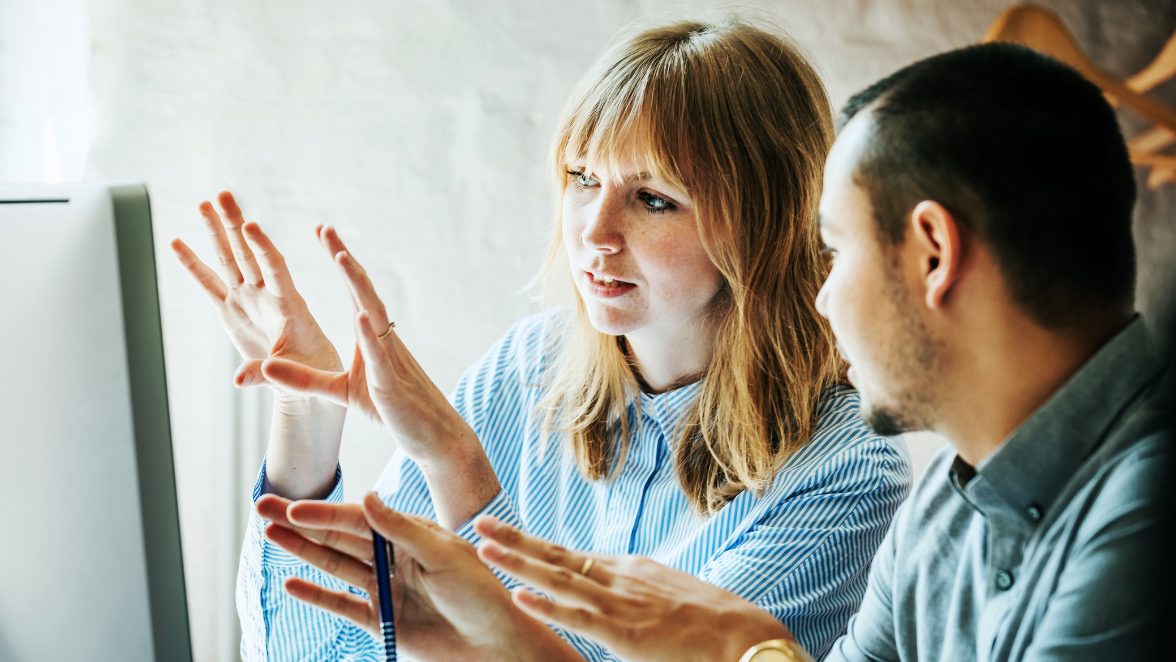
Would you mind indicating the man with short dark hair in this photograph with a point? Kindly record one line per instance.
(979, 204)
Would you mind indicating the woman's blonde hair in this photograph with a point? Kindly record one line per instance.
(736, 117)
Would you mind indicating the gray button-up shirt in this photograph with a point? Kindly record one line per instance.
(1048, 551)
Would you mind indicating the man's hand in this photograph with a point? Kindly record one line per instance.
(636, 607)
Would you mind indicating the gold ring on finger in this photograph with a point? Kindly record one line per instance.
(391, 325)
(587, 567)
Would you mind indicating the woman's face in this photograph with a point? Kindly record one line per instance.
(635, 253)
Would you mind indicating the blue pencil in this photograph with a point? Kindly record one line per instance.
(385, 563)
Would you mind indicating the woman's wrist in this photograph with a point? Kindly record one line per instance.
(461, 481)
(532, 641)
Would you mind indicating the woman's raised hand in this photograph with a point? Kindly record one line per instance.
(255, 296)
(388, 386)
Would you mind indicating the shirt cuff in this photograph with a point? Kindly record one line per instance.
(499, 507)
(271, 554)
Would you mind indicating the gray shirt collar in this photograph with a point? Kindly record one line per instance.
(1023, 478)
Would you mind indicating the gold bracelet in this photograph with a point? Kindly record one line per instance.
(776, 650)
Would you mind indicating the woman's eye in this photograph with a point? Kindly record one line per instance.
(829, 252)
(655, 204)
(581, 179)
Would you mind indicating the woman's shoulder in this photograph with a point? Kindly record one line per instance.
(842, 443)
(525, 348)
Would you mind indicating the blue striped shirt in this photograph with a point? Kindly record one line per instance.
(801, 551)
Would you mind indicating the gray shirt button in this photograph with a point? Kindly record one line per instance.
(1033, 512)
(1004, 580)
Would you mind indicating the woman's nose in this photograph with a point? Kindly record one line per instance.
(603, 231)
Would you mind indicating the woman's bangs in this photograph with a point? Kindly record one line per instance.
(622, 125)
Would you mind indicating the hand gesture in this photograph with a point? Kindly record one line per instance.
(255, 296)
(447, 603)
(387, 385)
(640, 609)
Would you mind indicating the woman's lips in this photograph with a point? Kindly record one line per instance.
(606, 291)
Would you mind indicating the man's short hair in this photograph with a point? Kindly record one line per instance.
(1027, 154)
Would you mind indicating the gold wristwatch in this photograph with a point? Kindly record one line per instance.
(776, 650)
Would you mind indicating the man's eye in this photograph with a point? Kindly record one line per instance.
(655, 204)
(581, 179)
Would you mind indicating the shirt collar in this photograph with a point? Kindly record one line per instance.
(667, 409)
(1032, 466)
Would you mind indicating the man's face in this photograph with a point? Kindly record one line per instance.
(874, 308)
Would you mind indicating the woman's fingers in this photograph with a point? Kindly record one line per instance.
(346, 517)
(351, 607)
(298, 378)
(330, 240)
(249, 374)
(273, 507)
(423, 540)
(272, 262)
(356, 542)
(212, 285)
(329, 560)
(381, 376)
(559, 581)
(233, 221)
(220, 244)
(510, 538)
(363, 292)
(362, 288)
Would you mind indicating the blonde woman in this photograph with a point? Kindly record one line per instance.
(682, 401)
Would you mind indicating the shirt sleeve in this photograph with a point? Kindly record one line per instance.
(808, 560)
(870, 634)
(277, 626)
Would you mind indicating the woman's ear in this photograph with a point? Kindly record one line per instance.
(936, 245)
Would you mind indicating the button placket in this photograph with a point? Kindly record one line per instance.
(1004, 579)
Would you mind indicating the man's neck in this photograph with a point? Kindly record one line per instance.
(1010, 373)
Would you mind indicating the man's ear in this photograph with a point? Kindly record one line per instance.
(936, 243)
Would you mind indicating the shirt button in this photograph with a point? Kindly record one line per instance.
(1004, 580)
(1033, 512)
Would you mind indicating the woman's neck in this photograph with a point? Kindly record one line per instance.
(665, 360)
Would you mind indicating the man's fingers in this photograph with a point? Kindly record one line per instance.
(585, 621)
(329, 560)
(205, 277)
(513, 539)
(559, 581)
(271, 260)
(233, 221)
(304, 380)
(351, 607)
(220, 244)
